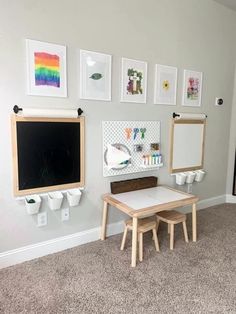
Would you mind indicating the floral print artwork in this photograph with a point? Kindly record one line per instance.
(193, 88)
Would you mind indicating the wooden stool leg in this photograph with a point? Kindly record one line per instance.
(168, 226)
(185, 231)
(140, 236)
(124, 238)
(154, 232)
(171, 236)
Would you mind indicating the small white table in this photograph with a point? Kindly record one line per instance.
(147, 202)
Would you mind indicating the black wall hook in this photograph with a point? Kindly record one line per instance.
(175, 115)
(16, 109)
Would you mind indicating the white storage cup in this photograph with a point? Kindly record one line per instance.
(190, 177)
(73, 197)
(55, 200)
(200, 175)
(32, 208)
(181, 178)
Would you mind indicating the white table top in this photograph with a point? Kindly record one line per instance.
(149, 197)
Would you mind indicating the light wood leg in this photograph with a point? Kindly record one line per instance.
(104, 220)
(171, 236)
(168, 226)
(158, 223)
(140, 236)
(124, 238)
(185, 231)
(194, 222)
(154, 232)
(134, 241)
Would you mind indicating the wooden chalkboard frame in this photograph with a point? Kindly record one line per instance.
(234, 178)
(17, 191)
(190, 122)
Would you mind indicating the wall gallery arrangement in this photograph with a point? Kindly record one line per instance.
(46, 76)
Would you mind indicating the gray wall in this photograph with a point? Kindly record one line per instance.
(190, 34)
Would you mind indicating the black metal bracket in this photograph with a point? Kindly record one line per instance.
(175, 115)
(16, 109)
(80, 111)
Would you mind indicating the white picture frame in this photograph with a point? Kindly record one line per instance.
(192, 88)
(46, 69)
(165, 87)
(136, 92)
(95, 75)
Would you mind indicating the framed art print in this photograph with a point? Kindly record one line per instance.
(46, 69)
(95, 75)
(165, 85)
(192, 88)
(133, 81)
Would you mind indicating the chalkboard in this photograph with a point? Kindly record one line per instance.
(48, 154)
(187, 145)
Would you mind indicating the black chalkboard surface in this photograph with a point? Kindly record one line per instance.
(48, 154)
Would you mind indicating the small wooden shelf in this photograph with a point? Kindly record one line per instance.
(152, 166)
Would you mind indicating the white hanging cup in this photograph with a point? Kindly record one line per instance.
(73, 197)
(55, 200)
(200, 175)
(32, 207)
(180, 178)
(190, 177)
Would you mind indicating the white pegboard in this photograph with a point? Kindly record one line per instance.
(114, 133)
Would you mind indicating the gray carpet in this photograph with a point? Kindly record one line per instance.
(97, 277)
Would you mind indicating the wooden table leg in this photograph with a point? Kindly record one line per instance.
(104, 220)
(194, 222)
(134, 242)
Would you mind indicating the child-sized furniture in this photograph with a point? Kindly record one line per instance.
(172, 217)
(144, 225)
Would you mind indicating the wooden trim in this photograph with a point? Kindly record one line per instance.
(187, 169)
(186, 121)
(189, 121)
(234, 178)
(17, 192)
(171, 146)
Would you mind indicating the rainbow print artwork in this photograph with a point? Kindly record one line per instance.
(47, 69)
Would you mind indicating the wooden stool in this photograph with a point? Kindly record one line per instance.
(144, 225)
(172, 217)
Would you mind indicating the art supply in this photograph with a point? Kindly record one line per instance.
(143, 130)
(136, 130)
(128, 132)
(151, 159)
(154, 146)
(138, 147)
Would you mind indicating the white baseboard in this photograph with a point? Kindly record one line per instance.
(33, 251)
(206, 203)
(230, 198)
